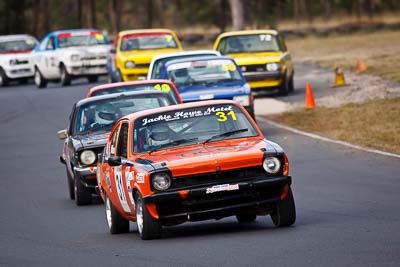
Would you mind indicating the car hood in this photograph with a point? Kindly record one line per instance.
(84, 50)
(256, 58)
(216, 91)
(92, 140)
(144, 56)
(212, 157)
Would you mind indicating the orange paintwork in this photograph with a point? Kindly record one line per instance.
(185, 160)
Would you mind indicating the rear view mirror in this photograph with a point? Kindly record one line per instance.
(114, 161)
(62, 134)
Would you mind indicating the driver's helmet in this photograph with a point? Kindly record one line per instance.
(107, 113)
(160, 134)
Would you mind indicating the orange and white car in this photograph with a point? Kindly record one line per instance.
(191, 162)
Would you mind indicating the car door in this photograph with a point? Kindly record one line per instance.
(122, 175)
(48, 65)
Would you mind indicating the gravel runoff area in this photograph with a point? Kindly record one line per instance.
(359, 88)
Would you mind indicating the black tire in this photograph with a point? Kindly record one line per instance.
(65, 76)
(82, 195)
(291, 84)
(116, 223)
(284, 213)
(284, 88)
(148, 227)
(23, 81)
(246, 217)
(3, 78)
(40, 81)
(93, 79)
(70, 184)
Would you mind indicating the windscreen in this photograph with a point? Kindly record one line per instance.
(100, 116)
(89, 38)
(250, 43)
(164, 87)
(203, 71)
(146, 41)
(17, 45)
(190, 126)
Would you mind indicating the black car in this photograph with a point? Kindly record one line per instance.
(90, 122)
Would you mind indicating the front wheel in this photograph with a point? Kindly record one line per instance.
(40, 81)
(284, 213)
(70, 184)
(82, 195)
(65, 76)
(116, 223)
(284, 88)
(3, 78)
(148, 227)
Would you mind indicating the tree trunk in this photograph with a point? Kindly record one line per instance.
(93, 13)
(149, 12)
(237, 14)
(327, 8)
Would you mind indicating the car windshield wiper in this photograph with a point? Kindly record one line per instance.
(225, 134)
(174, 143)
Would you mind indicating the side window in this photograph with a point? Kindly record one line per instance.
(50, 44)
(123, 141)
(282, 43)
(222, 46)
(113, 144)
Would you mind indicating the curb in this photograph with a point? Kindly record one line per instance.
(315, 136)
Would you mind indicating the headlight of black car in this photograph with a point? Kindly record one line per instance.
(161, 181)
(87, 157)
(272, 165)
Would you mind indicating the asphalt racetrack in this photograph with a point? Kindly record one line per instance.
(348, 203)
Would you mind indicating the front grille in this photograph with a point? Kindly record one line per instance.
(255, 68)
(94, 57)
(230, 176)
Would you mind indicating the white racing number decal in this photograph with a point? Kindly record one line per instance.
(120, 188)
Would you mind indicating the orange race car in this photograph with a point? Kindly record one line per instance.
(191, 162)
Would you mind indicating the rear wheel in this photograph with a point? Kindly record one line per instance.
(40, 81)
(285, 211)
(3, 78)
(116, 223)
(82, 195)
(148, 227)
(65, 76)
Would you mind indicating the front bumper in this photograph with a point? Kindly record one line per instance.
(138, 73)
(263, 79)
(260, 193)
(22, 71)
(88, 67)
(87, 176)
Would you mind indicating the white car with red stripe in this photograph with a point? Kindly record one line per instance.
(15, 57)
(68, 54)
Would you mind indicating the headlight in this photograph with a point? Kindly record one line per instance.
(272, 66)
(243, 68)
(13, 62)
(271, 165)
(130, 64)
(161, 181)
(75, 57)
(88, 157)
(242, 99)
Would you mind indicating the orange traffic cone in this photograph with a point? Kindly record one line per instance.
(361, 67)
(310, 103)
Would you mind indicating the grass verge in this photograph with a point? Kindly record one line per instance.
(375, 124)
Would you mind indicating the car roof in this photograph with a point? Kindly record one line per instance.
(12, 37)
(119, 95)
(124, 84)
(179, 107)
(180, 60)
(146, 31)
(74, 30)
(186, 53)
(247, 32)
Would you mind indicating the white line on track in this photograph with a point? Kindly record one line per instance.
(315, 136)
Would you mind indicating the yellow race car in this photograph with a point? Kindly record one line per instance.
(133, 50)
(263, 57)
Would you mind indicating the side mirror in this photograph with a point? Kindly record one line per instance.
(114, 161)
(62, 134)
